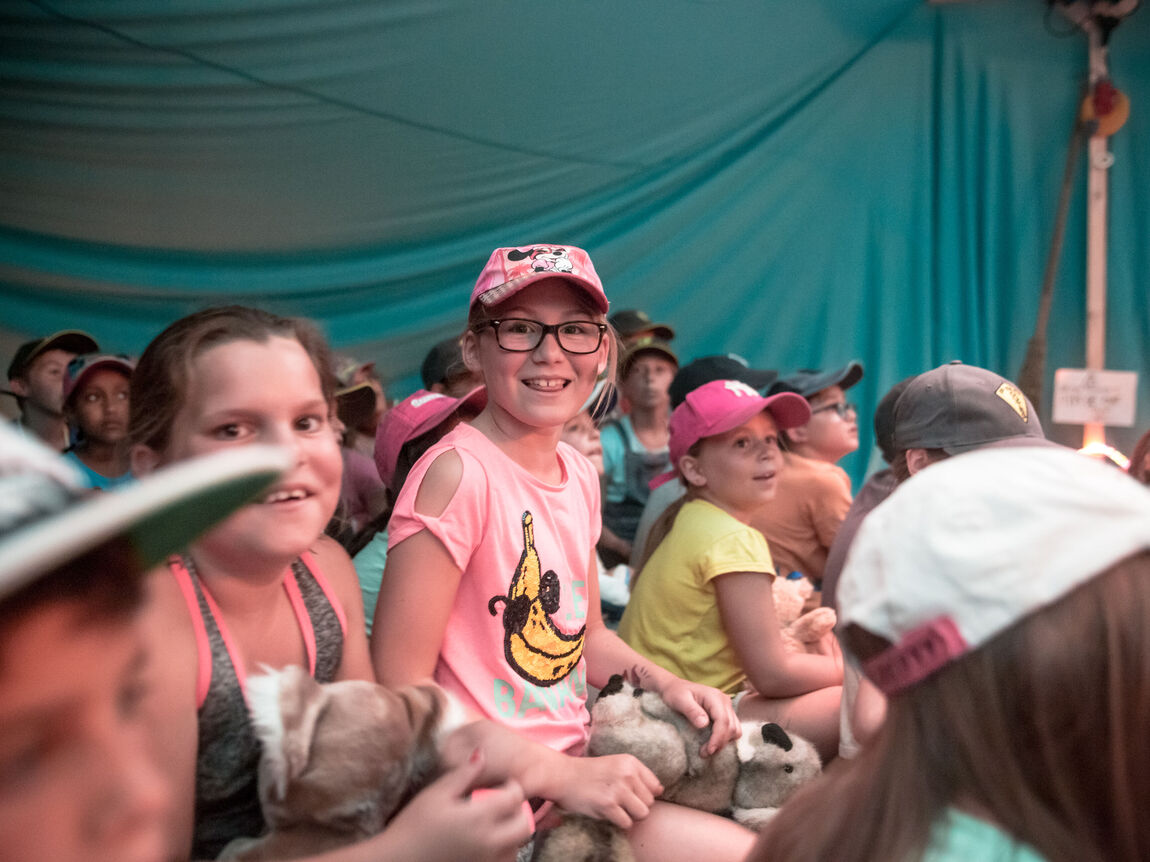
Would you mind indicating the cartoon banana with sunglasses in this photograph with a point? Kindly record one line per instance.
(538, 650)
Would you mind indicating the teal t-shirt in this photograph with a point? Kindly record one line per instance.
(369, 564)
(959, 837)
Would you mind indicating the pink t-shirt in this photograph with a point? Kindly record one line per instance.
(513, 647)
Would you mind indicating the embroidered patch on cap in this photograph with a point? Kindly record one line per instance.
(1013, 396)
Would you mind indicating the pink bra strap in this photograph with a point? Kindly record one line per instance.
(203, 649)
(303, 619)
(337, 606)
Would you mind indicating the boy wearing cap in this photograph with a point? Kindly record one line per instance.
(634, 325)
(635, 444)
(96, 398)
(444, 371)
(77, 781)
(36, 378)
(814, 492)
(999, 599)
(949, 410)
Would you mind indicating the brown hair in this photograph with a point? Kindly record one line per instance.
(160, 381)
(1043, 728)
(103, 584)
(1137, 467)
(666, 521)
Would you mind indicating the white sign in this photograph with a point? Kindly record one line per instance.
(1084, 396)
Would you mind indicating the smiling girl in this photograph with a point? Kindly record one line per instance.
(701, 604)
(491, 584)
(266, 588)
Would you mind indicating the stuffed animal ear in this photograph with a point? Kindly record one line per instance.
(285, 706)
(614, 686)
(775, 735)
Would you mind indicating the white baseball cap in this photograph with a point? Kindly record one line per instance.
(49, 517)
(973, 544)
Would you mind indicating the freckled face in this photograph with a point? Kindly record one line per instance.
(737, 469)
(245, 392)
(545, 387)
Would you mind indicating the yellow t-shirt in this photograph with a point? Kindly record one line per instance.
(673, 616)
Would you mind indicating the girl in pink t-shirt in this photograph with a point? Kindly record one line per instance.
(491, 583)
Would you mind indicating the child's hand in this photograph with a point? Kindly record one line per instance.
(702, 704)
(615, 787)
(446, 822)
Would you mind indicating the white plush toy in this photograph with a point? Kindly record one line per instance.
(800, 631)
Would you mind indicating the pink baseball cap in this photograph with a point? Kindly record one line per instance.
(82, 367)
(509, 270)
(720, 405)
(416, 414)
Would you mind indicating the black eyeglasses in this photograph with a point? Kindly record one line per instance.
(840, 408)
(519, 335)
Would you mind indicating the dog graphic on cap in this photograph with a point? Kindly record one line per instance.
(544, 258)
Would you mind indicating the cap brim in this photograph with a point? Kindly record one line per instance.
(158, 515)
(789, 409)
(504, 292)
(355, 404)
(115, 362)
(810, 384)
(72, 340)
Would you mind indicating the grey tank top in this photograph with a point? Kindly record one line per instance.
(227, 761)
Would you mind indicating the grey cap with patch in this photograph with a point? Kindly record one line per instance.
(958, 407)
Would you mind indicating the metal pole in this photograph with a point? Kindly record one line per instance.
(1100, 160)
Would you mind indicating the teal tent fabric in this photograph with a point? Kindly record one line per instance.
(800, 184)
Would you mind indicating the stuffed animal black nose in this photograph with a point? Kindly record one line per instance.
(775, 735)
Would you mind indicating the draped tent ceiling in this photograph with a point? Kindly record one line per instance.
(801, 184)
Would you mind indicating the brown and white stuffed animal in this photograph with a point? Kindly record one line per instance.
(338, 759)
(800, 631)
(747, 779)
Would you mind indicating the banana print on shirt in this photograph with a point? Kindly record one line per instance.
(533, 645)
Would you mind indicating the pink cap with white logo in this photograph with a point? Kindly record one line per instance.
(416, 414)
(720, 405)
(509, 270)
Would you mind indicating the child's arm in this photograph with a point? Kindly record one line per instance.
(747, 609)
(336, 566)
(418, 588)
(607, 654)
(616, 787)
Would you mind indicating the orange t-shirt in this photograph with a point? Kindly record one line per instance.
(801, 521)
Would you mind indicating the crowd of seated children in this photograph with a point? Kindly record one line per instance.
(511, 448)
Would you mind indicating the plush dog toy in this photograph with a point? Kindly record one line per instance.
(338, 759)
(799, 630)
(747, 779)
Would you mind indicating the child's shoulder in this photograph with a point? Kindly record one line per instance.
(815, 471)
